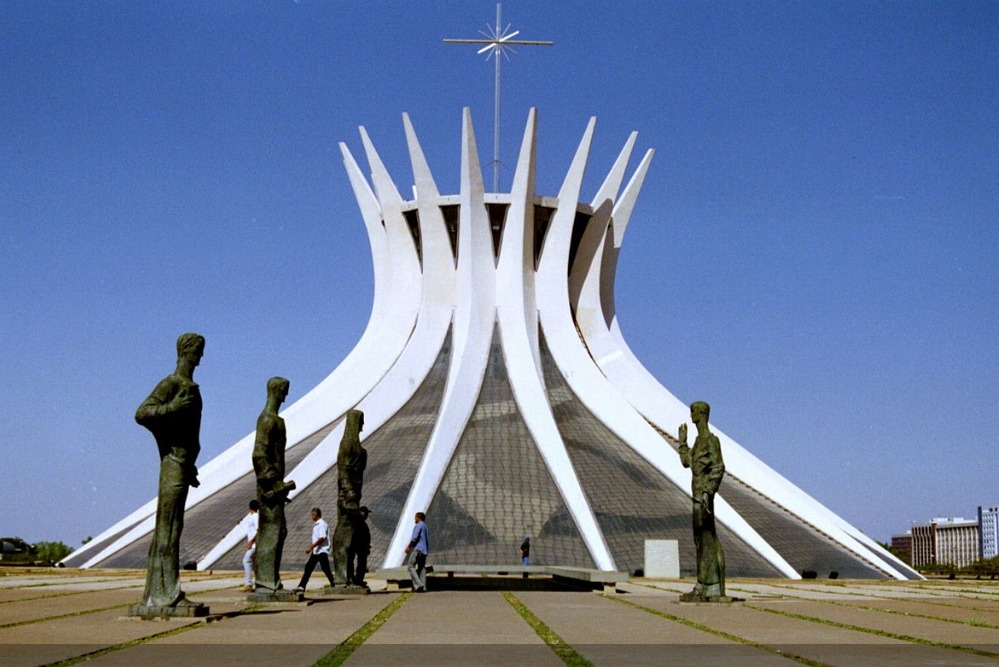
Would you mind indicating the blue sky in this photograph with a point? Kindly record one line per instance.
(814, 251)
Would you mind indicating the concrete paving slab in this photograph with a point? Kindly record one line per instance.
(455, 628)
(50, 641)
(19, 612)
(462, 626)
(607, 632)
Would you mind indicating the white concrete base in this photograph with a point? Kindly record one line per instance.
(662, 559)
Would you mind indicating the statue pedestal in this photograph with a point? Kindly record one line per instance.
(697, 598)
(346, 590)
(280, 595)
(186, 609)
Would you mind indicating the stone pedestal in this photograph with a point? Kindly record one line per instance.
(695, 597)
(280, 595)
(185, 609)
(346, 590)
(662, 559)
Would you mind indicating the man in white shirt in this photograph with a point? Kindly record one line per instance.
(319, 550)
(249, 525)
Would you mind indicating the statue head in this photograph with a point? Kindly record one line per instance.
(699, 410)
(191, 346)
(278, 387)
(355, 422)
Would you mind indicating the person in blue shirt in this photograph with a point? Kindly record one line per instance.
(417, 551)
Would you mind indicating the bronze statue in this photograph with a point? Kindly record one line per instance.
(350, 462)
(707, 469)
(173, 414)
(272, 490)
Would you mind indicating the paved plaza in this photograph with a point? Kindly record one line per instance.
(66, 617)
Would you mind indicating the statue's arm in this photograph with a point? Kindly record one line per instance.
(160, 403)
(717, 469)
(267, 472)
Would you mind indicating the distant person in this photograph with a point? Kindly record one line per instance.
(319, 550)
(417, 550)
(525, 551)
(249, 526)
(360, 547)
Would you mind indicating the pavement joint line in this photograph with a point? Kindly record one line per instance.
(559, 647)
(720, 633)
(347, 647)
(879, 633)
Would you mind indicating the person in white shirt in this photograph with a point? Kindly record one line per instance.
(319, 550)
(249, 525)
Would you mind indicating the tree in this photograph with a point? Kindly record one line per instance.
(51, 552)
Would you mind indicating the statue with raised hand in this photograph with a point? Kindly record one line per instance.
(707, 469)
(351, 460)
(172, 412)
(272, 490)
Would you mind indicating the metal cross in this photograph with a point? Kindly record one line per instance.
(498, 41)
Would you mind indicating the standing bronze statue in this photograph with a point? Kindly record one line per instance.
(350, 463)
(173, 414)
(272, 490)
(707, 469)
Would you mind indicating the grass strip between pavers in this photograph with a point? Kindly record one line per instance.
(61, 595)
(564, 651)
(347, 647)
(719, 633)
(879, 633)
(978, 623)
(57, 617)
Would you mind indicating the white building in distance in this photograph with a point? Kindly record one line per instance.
(945, 541)
(988, 532)
(501, 399)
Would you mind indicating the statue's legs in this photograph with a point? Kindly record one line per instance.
(270, 542)
(710, 558)
(163, 566)
(342, 537)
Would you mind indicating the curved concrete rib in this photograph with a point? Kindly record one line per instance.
(585, 379)
(518, 321)
(393, 315)
(397, 387)
(597, 319)
(473, 328)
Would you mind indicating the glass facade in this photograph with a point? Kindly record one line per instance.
(632, 500)
(497, 489)
(394, 454)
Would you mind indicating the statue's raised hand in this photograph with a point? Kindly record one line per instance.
(684, 449)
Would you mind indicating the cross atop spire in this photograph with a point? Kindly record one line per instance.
(498, 40)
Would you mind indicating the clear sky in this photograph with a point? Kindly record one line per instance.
(814, 251)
